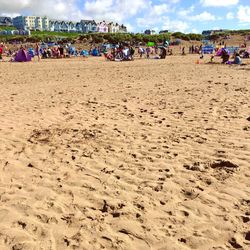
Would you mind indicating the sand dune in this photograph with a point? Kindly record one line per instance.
(147, 154)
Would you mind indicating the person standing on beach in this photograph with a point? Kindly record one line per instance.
(148, 50)
(1, 52)
(140, 51)
(37, 51)
(183, 51)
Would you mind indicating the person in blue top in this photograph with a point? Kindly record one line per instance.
(237, 59)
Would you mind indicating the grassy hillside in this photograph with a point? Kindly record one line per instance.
(39, 36)
(7, 28)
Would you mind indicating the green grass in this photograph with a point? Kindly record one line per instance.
(37, 36)
(7, 28)
(55, 34)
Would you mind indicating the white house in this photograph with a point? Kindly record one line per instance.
(102, 27)
(31, 23)
(87, 26)
(62, 26)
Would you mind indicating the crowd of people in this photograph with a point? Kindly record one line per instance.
(127, 52)
(120, 52)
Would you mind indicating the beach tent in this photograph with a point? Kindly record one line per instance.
(84, 53)
(95, 52)
(22, 56)
(209, 49)
(72, 51)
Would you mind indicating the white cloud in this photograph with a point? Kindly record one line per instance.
(243, 14)
(53, 8)
(10, 14)
(195, 31)
(174, 1)
(159, 9)
(186, 12)
(230, 15)
(203, 17)
(175, 25)
(218, 3)
(113, 9)
(147, 22)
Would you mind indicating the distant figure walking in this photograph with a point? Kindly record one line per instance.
(37, 51)
(183, 51)
(148, 50)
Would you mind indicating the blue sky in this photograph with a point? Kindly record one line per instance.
(138, 15)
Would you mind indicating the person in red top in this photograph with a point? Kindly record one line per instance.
(1, 51)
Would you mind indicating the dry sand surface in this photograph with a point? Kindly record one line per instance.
(147, 154)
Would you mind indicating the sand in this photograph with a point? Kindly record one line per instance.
(150, 154)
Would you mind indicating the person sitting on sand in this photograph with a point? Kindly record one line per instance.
(237, 59)
(225, 56)
(245, 54)
(56, 52)
(9, 52)
(170, 52)
(61, 50)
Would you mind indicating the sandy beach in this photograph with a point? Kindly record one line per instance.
(149, 154)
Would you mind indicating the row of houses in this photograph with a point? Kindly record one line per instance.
(15, 32)
(212, 32)
(45, 24)
(5, 21)
(86, 26)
